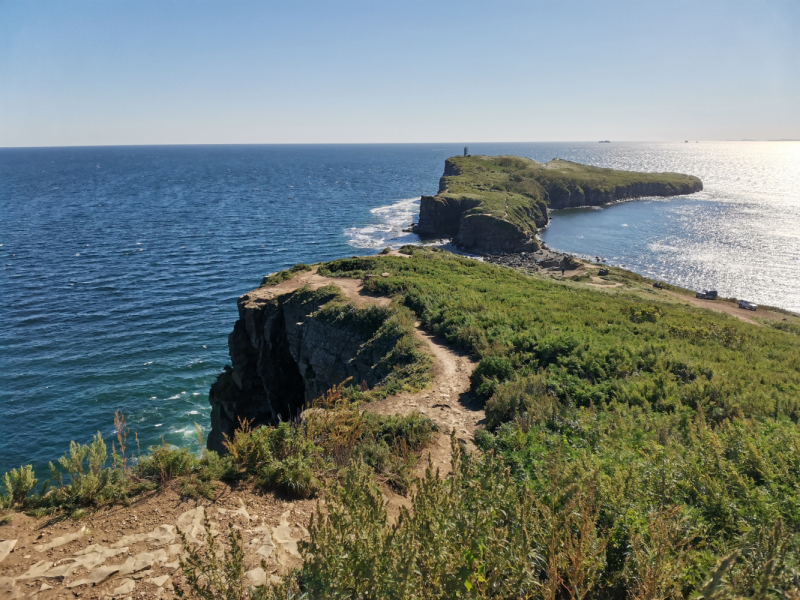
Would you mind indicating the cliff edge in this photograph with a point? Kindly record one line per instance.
(497, 203)
(296, 340)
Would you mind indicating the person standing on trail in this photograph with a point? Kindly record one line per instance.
(562, 271)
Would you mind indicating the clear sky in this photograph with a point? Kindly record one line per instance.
(97, 72)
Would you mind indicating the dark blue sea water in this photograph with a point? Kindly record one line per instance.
(121, 266)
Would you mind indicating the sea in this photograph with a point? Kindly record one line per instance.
(121, 266)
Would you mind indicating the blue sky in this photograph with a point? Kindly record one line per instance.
(96, 72)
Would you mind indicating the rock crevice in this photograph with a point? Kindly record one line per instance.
(283, 357)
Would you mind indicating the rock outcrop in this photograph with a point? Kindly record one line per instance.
(565, 196)
(284, 356)
(496, 204)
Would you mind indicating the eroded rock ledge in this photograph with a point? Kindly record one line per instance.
(284, 355)
(495, 204)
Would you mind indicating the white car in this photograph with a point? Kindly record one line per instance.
(747, 305)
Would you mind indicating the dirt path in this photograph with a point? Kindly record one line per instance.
(134, 551)
(351, 288)
(601, 283)
(448, 402)
(723, 307)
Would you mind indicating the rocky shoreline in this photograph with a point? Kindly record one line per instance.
(543, 259)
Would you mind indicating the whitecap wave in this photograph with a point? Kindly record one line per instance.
(387, 227)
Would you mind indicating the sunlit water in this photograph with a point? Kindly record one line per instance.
(741, 235)
(121, 266)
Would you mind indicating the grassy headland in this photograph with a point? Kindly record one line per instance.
(487, 202)
(632, 443)
(635, 447)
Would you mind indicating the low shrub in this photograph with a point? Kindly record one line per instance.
(165, 463)
(294, 458)
(18, 483)
(89, 481)
(527, 397)
(643, 313)
(281, 458)
(293, 475)
(285, 275)
(491, 371)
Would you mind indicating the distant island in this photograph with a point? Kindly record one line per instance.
(497, 203)
(605, 141)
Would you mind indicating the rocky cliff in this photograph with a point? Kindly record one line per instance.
(289, 349)
(496, 203)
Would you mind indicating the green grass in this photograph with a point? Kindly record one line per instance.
(636, 447)
(595, 346)
(519, 190)
(281, 276)
(677, 427)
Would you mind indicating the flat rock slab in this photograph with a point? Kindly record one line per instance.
(161, 535)
(262, 542)
(257, 576)
(142, 561)
(6, 585)
(96, 577)
(6, 546)
(191, 525)
(126, 587)
(37, 570)
(60, 541)
(287, 555)
(158, 581)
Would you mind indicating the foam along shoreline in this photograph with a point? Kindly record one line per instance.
(389, 228)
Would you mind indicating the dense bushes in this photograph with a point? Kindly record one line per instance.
(295, 458)
(279, 458)
(18, 484)
(595, 346)
(488, 533)
(292, 458)
(671, 432)
(83, 477)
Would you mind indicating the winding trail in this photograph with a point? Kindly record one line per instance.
(448, 402)
(122, 551)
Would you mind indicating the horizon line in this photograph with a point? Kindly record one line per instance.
(146, 145)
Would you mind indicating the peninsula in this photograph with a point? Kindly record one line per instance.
(497, 203)
(449, 428)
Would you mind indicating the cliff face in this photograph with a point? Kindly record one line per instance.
(282, 357)
(564, 196)
(470, 229)
(496, 203)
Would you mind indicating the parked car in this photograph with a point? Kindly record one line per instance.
(602, 272)
(658, 284)
(747, 305)
(707, 295)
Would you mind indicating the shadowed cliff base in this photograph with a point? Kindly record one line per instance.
(282, 334)
(497, 203)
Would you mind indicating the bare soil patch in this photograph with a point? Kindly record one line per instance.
(133, 551)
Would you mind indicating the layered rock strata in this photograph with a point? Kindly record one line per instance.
(283, 356)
